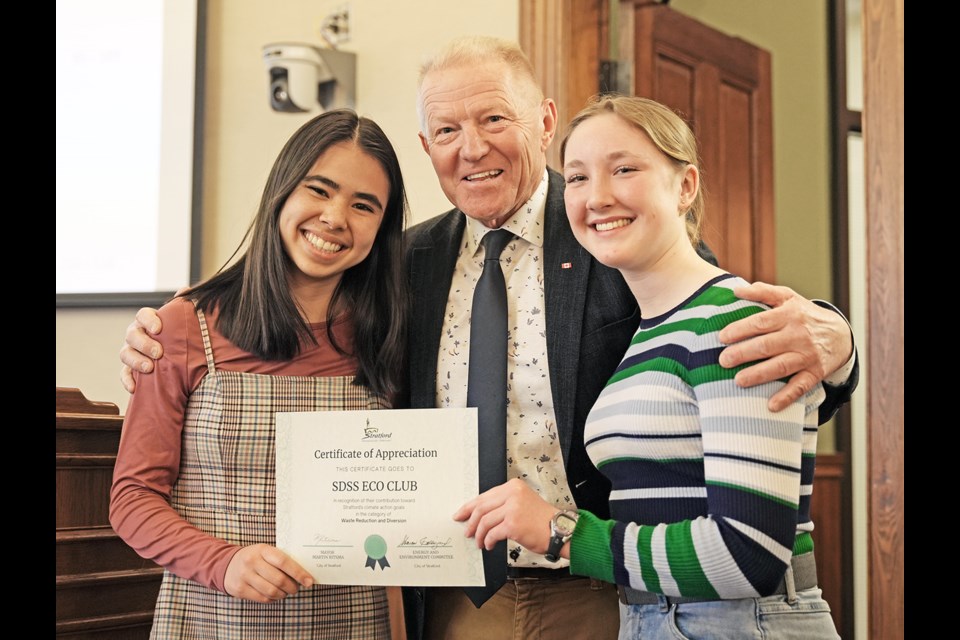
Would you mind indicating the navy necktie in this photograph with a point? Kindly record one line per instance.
(487, 391)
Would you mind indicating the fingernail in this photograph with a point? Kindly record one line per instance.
(155, 353)
(144, 367)
(154, 329)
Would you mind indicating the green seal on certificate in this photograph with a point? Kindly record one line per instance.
(376, 549)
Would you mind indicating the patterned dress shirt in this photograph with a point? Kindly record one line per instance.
(533, 444)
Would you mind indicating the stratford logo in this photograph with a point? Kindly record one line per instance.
(373, 433)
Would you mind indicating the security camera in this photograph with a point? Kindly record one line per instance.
(296, 74)
(305, 78)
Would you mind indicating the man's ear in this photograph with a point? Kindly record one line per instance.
(548, 109)
(424, 143)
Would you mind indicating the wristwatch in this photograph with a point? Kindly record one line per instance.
(562, 525)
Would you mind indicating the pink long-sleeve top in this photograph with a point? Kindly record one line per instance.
(148, 461)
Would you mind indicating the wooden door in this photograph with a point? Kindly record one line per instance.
(722, 86)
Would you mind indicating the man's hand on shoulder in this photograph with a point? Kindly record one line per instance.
(140, 349)
(795, 339)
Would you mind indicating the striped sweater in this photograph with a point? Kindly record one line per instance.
(710, 490)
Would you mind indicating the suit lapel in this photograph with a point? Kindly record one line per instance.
(566, 270)
(432, 259)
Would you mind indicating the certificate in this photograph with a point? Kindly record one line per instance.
(367, 497)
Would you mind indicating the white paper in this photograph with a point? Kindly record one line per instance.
(367, 497)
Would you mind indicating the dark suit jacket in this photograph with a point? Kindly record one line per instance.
(591, 315)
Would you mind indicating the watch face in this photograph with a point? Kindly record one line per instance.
(565, 524)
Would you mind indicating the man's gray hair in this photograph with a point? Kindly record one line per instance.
(477, 50)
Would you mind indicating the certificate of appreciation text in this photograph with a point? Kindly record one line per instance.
(366, 497)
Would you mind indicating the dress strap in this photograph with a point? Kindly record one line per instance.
(205, 334)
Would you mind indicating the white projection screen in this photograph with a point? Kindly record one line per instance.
(129, 116)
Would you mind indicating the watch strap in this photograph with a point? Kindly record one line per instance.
(553, 549)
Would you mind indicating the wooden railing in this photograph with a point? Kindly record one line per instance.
(104, 589)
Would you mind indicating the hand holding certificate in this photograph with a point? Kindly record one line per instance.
(367, 497)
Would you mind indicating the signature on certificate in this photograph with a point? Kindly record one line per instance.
(425, 542)
(319, 538)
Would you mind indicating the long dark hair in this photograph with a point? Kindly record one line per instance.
(257, 311)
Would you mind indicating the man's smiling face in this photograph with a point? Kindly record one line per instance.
(486, 138)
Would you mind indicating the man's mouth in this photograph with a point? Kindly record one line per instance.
(483, 175)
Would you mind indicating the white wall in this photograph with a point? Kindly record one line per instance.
(243, 135)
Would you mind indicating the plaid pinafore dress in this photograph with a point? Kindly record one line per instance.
(226, 488)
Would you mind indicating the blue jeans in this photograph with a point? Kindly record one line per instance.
(766, 618)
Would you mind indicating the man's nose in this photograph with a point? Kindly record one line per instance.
(474, 145)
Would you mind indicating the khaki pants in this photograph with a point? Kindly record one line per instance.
(527, 609)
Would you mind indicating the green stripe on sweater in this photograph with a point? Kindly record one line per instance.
(645, 550)
(803, 543)
(590, 553)
(712, 373)
(715, 296)
(698, 326)
(664, 365)
(684, 563)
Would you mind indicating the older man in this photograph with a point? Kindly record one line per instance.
(486, 126)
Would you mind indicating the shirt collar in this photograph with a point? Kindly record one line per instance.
(526, 223)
